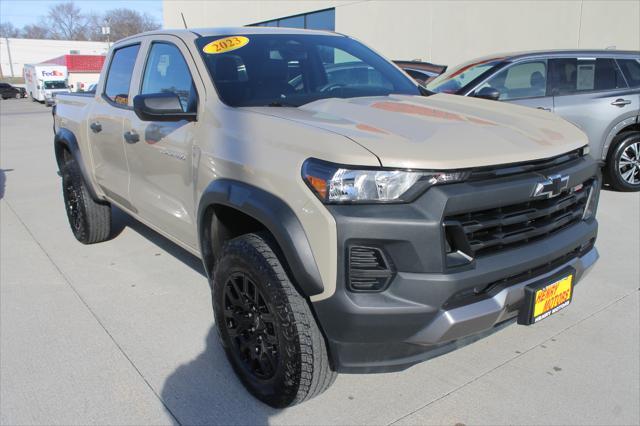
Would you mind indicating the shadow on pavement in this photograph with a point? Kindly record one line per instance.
(121, 220)
(3, 181)
(206, 391)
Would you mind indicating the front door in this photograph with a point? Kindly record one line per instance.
(161, 154)
(105, 126)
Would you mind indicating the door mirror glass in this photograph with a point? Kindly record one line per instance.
(488, 93)
(160, 107)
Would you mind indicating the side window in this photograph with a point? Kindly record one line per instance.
(524, 80)
(574, 75)
(120, 72)
(631, 70)
(167, 72)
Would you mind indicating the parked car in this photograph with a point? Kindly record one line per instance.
(349, 225)
(8, 91)
(597, 90)
(422, 72)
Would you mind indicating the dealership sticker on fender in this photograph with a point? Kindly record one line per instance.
(552, 298)
(226, 44)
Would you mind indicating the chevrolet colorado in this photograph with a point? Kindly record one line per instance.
(348, 221)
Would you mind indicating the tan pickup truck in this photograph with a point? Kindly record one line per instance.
(348, 219)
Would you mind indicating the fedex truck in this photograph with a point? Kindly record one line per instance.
(44, 81)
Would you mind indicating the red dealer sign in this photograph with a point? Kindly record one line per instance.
(80, 63)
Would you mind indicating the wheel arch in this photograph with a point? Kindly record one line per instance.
(256, 209)
(629, 124)
(65, 142)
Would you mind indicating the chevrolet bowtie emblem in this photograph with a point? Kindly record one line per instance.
(552, 187)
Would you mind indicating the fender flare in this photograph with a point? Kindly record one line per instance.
(270, 211)
(64, 138)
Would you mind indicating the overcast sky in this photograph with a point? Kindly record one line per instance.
(23, 12)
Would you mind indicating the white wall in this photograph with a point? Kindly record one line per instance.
(446, 32)
(88, 78)
(31, 51)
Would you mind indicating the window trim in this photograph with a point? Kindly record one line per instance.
(624, 58)
(104, 95)
(509, 65)
(146, 62)
(586, 92)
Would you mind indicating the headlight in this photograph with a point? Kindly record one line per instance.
(334, 183)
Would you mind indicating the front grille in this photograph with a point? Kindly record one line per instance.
(484, 232)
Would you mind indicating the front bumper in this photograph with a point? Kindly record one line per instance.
(420, 314)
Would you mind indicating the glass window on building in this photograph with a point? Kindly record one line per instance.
(292, 22)
(320, 20)
(323, 20)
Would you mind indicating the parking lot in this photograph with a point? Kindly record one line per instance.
(122, 332)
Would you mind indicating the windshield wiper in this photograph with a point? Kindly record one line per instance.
(282, 104)
(424, 91)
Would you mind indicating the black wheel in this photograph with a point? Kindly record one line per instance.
(90, 220)
(623, 163)
(266, 327)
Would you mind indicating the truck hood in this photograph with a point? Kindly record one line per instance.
(439, 131)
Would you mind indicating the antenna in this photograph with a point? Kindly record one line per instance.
(184, 21)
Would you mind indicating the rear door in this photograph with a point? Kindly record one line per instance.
(591, 93)
(105, 125)
(161, 153)
(523, 83)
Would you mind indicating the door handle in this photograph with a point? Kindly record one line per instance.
(545, 109)
(131, 136)
(621, 102)
(96, 127)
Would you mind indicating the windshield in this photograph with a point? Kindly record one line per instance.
(294, 69)
(55, 85)
(458, 77)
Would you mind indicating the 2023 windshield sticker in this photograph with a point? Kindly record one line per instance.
(225, 44)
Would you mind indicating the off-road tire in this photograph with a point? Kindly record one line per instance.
(612, 169)
(302, 370)
(90, 220)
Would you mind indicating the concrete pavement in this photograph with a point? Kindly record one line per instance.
(122, 332)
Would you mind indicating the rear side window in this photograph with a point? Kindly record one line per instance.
(167, 72)
(575, 75)
(631, 70)
(520, 81)
(120, 72)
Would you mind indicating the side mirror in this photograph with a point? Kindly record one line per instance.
(160, 107)
(488, 93)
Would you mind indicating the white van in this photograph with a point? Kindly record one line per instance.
(44, 81)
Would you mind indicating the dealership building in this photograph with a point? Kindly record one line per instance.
(444, 32)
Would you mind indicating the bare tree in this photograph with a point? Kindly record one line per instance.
(127, 22)
(66, 22)
(8, 30)
(38, 31)
(94, 24)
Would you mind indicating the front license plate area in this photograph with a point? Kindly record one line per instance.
(547, 297)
